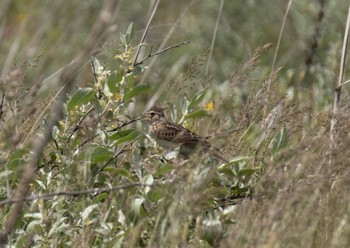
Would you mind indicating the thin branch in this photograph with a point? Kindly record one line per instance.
(2, 105)
(280, 37)
(276, 53)
(337, 92)
(214, 38)
(112, 158)
(87, 141)
(112, 130)
(115, 156)
(77, 126)
(94, 70)
(76, 193)
(54, 140)
(146, 31)
(48, 105)
(164, 42)
(224, 133)
(160, 51)
(342, 84)
(124, 124)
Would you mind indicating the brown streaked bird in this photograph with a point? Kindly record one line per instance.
(172, 135)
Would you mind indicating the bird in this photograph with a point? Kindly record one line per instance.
(171, 135)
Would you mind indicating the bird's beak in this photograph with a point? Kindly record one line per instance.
(143, 117)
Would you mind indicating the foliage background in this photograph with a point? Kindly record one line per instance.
(286, 184)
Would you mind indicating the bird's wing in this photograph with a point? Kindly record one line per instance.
(178, 134)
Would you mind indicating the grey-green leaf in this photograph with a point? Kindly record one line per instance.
(236, 160)
(196, 114)
(101, 154)
(82, 96)
(280, 141)
(120, 134)
(129, 33)
(113, 81)
(197, 99)
(137, 90)
(126, 138)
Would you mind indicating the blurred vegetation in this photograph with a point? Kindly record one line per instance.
(101, 181)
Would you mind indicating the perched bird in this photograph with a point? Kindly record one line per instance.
(172, 135)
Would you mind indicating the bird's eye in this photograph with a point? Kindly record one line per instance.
(152, 114)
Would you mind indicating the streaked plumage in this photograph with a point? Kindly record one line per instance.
(171, 135)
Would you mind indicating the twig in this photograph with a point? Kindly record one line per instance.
(214, 38)
(280, 37)
(112, 130)
(99, 95)
(2, 105)
(276, 53)
(94, 70)
(336, 103)
(54, 140)
(115, 156)
(95, 191)
(224, 133)
(146, 31)
(342, 84)
(124, 124)
(42, 113)
(77, 126)
(164, 42)
(160, 51)
(87, 140)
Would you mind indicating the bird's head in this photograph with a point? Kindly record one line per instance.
(154, 114)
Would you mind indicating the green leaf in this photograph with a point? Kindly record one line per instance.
(118, 172)
(87, 211)
(236, 191)
(41, 184)
(126, 138)
(236, 160)
(120, 134)
(197, 114)
(15, 163)
(34, 226)
(137, 90)
(123, 39)
(184, 106)
(16, 158)
(197, 99)
(227, 171)
(6, 173)
(97, 67)
(280, 141)
(246, 172)
(113, 81)
(101, 154)
(155, 194)
(99, 198)
(136, 205)
(163, 170)
(122, 172)
(83, 95)
(149, 180)
(245, 175)
(137, 70)
(18, 154)
(130, 33)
